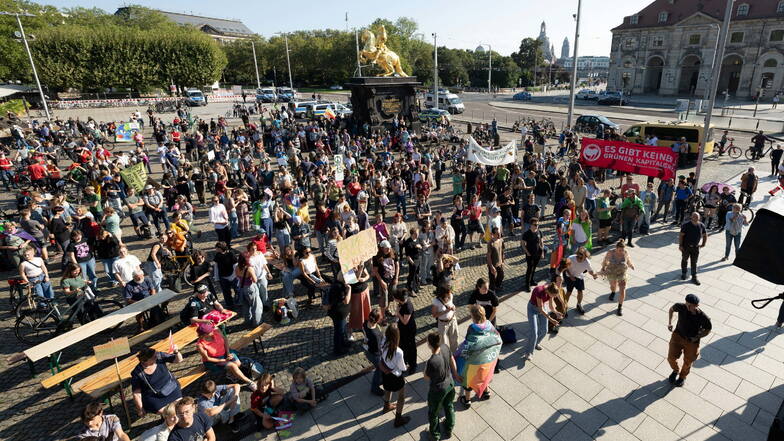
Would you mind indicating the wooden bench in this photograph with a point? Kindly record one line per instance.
(244, 340)
(90, 361)
(103, 381)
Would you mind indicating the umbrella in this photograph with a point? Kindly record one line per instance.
(706, 188)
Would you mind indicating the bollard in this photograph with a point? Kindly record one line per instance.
(757, 126)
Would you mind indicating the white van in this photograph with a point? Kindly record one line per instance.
(447, 101)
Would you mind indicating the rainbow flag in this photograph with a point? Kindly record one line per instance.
(477, 356)
(329, 113)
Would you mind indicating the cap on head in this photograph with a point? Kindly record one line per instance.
(201, 288)
(693, 299)
(385, 244)
(205, 328)
(148, 187)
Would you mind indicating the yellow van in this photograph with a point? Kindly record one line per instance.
(670, 132)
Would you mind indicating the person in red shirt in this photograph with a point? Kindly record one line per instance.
(6, 171)
(322, 216)
(423, 187)
(85, 156)
(176, 136)
(38, 174)
(54, 173)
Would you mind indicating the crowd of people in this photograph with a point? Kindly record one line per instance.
(271, 185)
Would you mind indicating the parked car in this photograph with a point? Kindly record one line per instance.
(522, 96)
(613, 99)
(285, 94)
(588, 123)
(336, 87)
(433, 114)
(195, 97)
(587, 94)
(266, 95)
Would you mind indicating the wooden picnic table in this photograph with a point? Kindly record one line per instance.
(92, 328)
(98, 384)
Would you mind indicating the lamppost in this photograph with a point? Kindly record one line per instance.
(481, 49)
(714, 84)
(288, 60)
(574, 64)
(30, 56)
(255, 64)
(435, 71)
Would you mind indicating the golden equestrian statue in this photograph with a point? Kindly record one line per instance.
(376, 52)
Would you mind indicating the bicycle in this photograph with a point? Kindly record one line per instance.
(21, 297)
(752, 154)
(175, 269)
(732, 150)
(46, 321)
(746, 209)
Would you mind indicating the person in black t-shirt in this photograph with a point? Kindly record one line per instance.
(693, 324)
(441, 371)
(225, 259)
(192, 424)
(198, 305)
(533, 247)
(692, 233)
(408, 329)
(485, 298)
(374, 336)
(339, 296)
(412, 250)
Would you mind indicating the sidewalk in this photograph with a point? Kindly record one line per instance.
(604, 376)
(730, 122)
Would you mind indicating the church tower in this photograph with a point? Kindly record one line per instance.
(547, 52)
(565, 48)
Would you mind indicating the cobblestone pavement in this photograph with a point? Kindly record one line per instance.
(32, 413)
(604, 376)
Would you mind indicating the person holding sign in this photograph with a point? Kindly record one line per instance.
(154, 386)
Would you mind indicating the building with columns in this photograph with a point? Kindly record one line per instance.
(668, 48)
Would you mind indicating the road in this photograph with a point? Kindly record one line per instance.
(479, 109)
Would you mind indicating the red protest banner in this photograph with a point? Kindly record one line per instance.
(639, 159)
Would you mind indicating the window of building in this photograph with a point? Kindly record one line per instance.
(627, 64)
(770, 63)
(780, 7)
(634, 19)
(743, 10)
(777, 35)
(694, 39)
(628, 43)
(663, 17)
(736, 37)
(657, 41)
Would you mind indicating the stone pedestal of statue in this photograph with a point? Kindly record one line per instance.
(377, 101)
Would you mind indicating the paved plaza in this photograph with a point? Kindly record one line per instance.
(604, 376)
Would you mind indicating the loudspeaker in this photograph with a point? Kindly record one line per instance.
(760, 253)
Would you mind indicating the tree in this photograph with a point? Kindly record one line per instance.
(529, 58)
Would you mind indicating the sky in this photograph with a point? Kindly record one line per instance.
(458, 23)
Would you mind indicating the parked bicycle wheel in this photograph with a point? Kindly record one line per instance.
(15, 294)
(24, 182)
(734, 152)
(36, 326)
(25, 302)
(748, 212)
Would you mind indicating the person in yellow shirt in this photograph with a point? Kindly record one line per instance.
(179, 224)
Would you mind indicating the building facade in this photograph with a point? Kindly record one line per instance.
(221, 29)
(565, 48)
(668, 48)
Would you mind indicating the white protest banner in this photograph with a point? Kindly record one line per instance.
(481, 155)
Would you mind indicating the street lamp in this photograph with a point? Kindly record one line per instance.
(714, 84)
(574, 64)
(255, 64)
(288, 60)
(481, 49)
(30, 56)
(435, 71)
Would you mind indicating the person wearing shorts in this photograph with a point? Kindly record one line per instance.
(579, 264)
(136, 209)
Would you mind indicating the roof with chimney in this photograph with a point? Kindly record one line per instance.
(209, 25)
(679, 10)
